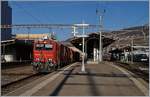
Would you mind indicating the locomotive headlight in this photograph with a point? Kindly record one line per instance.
(37, 59)
(49, 59)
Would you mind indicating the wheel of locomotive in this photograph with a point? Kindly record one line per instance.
(49, 69)
(49, 66)
(54, 67)
(58, 66)
(36, 66)
(39, 66)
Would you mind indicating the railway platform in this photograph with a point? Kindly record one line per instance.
(104, 79)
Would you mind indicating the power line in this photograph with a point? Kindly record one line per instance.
(141, 19)
(64, 4)
(35, 18)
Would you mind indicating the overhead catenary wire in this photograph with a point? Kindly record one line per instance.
(141, 19)
(27, 12)
(63, 3)
(59, 26)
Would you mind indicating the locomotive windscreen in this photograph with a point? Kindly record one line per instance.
(48, 47)
(43, 47)
(39, 46)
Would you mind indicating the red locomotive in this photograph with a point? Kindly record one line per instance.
(50, 55)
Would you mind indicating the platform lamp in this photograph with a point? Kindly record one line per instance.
(100, 33)
(83, 36)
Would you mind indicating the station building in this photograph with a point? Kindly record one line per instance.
(6, 19)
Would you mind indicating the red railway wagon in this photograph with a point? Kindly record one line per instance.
(50, 55)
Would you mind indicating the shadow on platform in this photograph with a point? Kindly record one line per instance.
(91, 81)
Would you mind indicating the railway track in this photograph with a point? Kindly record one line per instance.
(10, 83)
(136, 70)
(6, 65)
(6, 88)
(16, 85)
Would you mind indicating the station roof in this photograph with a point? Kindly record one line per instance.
(30, 36)
(106, 40)
(71, 46)
(7, 42)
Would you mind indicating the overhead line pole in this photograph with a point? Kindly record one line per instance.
(100, 40)
(100, 35)
(132, 49)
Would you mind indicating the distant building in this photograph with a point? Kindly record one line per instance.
(6, 19)
(34, 36)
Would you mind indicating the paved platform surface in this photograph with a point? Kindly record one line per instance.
(99, 80)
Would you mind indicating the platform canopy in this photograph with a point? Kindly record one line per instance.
(7, 42)
(92, 36)
(91, 44)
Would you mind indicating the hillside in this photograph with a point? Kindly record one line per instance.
(139, 34)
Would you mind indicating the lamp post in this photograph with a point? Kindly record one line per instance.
(100, 35)
(100, 41)
(132, 49)
(83, 38)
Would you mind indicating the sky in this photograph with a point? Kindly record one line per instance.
(118, 15)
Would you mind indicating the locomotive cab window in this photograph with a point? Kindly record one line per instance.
(39, 46)
(43, 46)
(48, 47)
